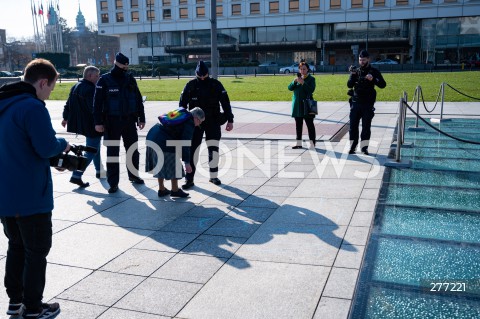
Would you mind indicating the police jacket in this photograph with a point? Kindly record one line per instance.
(117, 95)
(363, 89)
(27, 141)
(207, 94)
(78, 111)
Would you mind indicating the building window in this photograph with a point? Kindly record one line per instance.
(119, 4)
(103, 5)
(167, 14)
(200, 1)
(273, 7)
(219, 10)
(150, 3)
(166, 3)
(425, 1)
(314, 5)
(104, 17)
(358, 3)
(150, 15)
(335, 4)
(402, 2)
(200, 12)
(378, 3)
(236, 9)
(183, 13)
(255, 8)
(135, 16)
(120, 17)
(183, 1)
(134, 4)
(293, 5)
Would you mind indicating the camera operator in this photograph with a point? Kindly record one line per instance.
(363, 80)
(27, 141)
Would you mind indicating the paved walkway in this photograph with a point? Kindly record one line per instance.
(282, 237)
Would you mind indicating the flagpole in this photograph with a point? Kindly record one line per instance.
(33, 23)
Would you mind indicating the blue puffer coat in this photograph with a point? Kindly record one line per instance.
(27, 141)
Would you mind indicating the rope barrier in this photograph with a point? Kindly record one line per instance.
(472, 97)
(440, 131)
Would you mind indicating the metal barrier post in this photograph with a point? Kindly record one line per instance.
(400, 132)
(442, 89)
(418, 94)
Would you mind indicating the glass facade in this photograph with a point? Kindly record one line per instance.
(304, 32)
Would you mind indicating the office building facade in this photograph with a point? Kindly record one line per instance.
(325, 32)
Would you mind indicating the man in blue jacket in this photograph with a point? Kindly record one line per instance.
(27, 141)
(78, 118)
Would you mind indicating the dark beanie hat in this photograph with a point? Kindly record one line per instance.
(201, 69)
(363, 54)
(120, 58)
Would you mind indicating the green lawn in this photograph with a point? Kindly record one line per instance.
(329, 87)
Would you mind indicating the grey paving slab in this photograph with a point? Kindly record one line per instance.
(294, 243)
(357, 235)
(332, 308)
(138, 262)
(208, 211)
(97, 288)
(142, 214)
(91, 246)
(86, 205)
(349, 257)
(59, 225)
(326, 188)
(78, 310)
(230, 226)
(322, 211)
(341, 283)
(257, 214)
(159, 296)
(218, 246)
(263, 290)
(190, 268)
(115, 313)
(370, 193)
(362, 218)
(188, 224)
(263, 201)
(166, 241)
(274, 190)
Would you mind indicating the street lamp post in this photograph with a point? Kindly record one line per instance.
(368, 24)
(131, 56)
(151, 33)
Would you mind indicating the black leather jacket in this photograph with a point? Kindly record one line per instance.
(364, 90)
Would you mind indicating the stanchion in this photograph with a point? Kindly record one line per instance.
(417, 128)
(398, 162)
(441, 119)
(403, 109)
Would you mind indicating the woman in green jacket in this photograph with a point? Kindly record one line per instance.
(303, 87)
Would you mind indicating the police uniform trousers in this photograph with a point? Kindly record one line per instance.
(121, 127)
(213, 133)
(365, 112)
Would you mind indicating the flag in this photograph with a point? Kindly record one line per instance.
(40, 9)
(34, 9)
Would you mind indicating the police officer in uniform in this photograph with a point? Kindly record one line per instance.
(118, 110)
(208, 94)
(362, 80)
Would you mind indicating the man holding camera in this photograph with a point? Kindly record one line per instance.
(27, 141)
(362, 83)
(118, 111)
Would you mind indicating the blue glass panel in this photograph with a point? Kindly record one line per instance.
(441, 152)
(445, 164)
(439, 178)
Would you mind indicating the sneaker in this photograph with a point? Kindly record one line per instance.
(164, 192)
(48, 310)
(15, 309)
(297, 147)
(365, 152)
(79, 182)
(351, 152)
(136, 180)
(113, 189)
(188, 184)
(215, 181)
(179, 193)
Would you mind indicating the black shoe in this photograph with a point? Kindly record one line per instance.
(351, 152)
(136, 180)
(179, 193)
(97, 175)
(79, 182)
(48, 310)
(165, 192)
(365, 152)
(215, 181)
(188, 184)
(113, 189)
(297, 147)
(15, 309)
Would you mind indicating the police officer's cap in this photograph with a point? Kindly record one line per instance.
(120, 58)
(363, 54)
(201, 69)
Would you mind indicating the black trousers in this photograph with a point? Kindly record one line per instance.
(312, 135)
(29, 242)
(125, 128)
(213, 134)
(365, 112)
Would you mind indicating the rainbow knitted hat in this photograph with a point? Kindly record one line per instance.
(175, 117)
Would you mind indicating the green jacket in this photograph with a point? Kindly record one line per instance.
(300, 93)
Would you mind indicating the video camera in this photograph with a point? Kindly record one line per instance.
(76, 162)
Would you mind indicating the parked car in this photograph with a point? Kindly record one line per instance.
(5, 74)
(385, 61)
(269, 64)
(17, 73)
(294, 68)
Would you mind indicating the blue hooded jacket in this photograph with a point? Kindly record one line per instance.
(27, 141)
